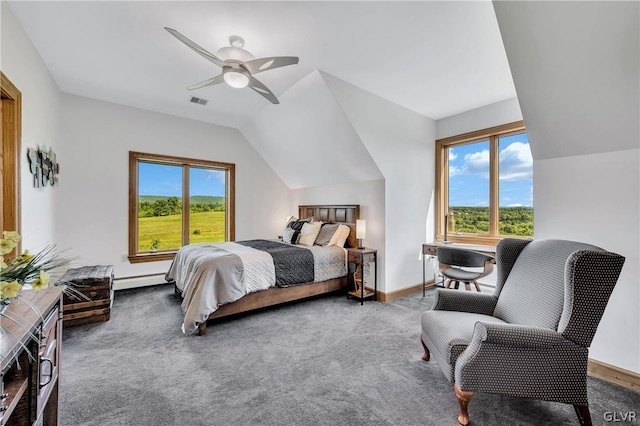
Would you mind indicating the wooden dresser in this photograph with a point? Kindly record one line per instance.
(31, 384)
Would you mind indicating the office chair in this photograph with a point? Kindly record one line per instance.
(452, 262)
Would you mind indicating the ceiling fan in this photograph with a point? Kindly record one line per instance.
(238, 65)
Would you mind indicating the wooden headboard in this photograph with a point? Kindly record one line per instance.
(343, 214)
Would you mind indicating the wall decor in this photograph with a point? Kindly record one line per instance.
(43, 166)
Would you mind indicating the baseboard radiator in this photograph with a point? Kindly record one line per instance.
(135, 281)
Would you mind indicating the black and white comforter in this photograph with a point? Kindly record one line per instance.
(211, 275)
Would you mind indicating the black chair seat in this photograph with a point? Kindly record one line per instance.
(458, 274)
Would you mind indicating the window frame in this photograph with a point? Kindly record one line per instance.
(186, 163)
(493, 134)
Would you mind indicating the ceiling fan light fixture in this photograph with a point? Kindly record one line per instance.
(238, 65)
(237, 78)
(234, 53)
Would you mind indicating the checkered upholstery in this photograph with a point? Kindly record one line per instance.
(452, 332)
(531, 337)
(453, 300)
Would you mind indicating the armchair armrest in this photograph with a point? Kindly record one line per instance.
(523, 361)
(514, 335)
(453, 300)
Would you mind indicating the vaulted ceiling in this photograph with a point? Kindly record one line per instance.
(435, 58)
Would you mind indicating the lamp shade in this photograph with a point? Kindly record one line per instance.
(361, 228)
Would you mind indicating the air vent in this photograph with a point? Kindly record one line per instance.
(199, 101)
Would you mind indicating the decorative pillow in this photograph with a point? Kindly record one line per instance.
(340, 236)
(325, 234)
(290, 236)
(295, 224)
(309, 233)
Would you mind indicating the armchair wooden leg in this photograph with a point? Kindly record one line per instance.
(477, 286)
(583, 414)
(463, 400)
(426, 355)
(467, 286)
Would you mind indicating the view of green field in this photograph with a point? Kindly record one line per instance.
(168, 230)
(160, 228)
(514, 221)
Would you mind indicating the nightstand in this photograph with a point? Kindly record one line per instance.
(361, 257)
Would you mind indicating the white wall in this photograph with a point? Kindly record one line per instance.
(594, 199)
(487, 116)
(308, 140)
(401, 142)
(369, 195)
(576, 66)
(92, 201)
(21, 63)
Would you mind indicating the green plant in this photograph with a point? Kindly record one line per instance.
(155, 243)
(27, 268)
(197, 231)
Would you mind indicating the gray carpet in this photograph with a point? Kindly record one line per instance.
(327, 361)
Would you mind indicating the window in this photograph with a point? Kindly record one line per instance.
(177, 201)
(484, 185)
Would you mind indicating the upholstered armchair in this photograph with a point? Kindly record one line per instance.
(531, 337)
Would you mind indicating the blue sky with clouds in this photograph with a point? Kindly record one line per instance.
(160, 179)
(469, 173)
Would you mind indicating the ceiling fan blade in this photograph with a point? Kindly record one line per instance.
(196, 48)
(262, 89)
(210, 82)
(265, 64)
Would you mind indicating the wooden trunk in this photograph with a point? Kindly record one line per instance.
(96, 283)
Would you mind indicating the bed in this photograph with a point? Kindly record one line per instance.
(219, 280)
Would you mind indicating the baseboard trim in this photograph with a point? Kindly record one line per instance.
(397, 294)
(613, 374)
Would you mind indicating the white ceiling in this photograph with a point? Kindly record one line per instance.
(435, 58)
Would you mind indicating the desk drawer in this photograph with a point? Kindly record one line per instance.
(430, 250)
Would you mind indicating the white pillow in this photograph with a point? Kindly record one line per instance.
(309, 233)
(340, 236)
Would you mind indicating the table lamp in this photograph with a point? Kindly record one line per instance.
(361, 231)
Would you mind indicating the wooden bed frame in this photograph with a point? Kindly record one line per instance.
(344, 214)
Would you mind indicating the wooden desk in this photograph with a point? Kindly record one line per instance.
(430, 249)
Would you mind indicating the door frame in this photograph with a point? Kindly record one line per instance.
(11, 126)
